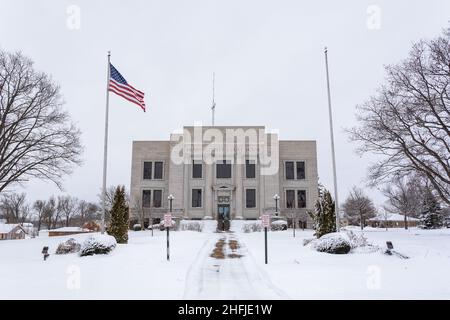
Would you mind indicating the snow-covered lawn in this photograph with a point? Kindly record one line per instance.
(139, 270)
(303, 273)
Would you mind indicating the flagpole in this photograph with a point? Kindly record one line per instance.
(336, 201)
(213, 107)
(105, 150)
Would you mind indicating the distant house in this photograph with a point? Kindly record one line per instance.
(11, 231)
(66, 231)
(392, 220)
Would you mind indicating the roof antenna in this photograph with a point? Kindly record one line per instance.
(213, 107)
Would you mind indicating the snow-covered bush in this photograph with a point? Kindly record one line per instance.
(336, 242)
(69, 246)
(98, 244)
(278, 225)
(137, 227)
(207, 218)
(255, 226)
(356, 240)
(191, 225)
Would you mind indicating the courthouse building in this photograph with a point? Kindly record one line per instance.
(239, 182)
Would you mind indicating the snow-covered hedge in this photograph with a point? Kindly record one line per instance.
(137, 227)
(98, 244)
(191, 225)
(278, 225)
(336, 242)
(342, 242)
(254, 226)
(69, 246)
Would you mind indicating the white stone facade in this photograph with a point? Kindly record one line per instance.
(241, 195)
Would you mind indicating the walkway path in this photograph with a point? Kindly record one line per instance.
(224, 269)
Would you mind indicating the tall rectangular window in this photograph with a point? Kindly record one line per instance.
(250, 169)
(157, 198)
(196, 198)
(289, 167)
(158, 170)
(197, 169)
(147, 170)
(290, 199)
(223, 169)
(146, 196)
(300, 170)
(250, 198)
(301, 199)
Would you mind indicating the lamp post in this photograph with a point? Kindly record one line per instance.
(170, 198)
(276, 197)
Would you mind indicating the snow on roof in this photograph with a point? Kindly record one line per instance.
(392, 217)
(7, 227)
(69, 229)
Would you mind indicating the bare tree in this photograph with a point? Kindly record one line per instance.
(51, 215)
(87, 211)
(37, 138)
(404, 196)
(14, 207)
(67, 206)
(407, 122)
(358, 207)
(39, 210)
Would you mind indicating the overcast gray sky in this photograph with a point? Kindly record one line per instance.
(267, 55)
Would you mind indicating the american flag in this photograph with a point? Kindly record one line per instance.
(120, 86)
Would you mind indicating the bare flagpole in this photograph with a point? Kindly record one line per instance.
(213, 107)
(105, 150)
(336, 201)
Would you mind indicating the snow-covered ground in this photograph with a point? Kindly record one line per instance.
(236, 269)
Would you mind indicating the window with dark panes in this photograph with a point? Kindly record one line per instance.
(158, 170)
(301, 199)
(250, 169)
(157, 198)
(289, 167)
(196, 198)
(197, 169)
(146, 196)
(147, 170)
(250, 198)
(300, 170)
(290, 199)
(223, 169)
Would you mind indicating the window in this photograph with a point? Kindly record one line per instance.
(250, 198)
(301, 199)
(157, 198)
(250, 169)
(158, 170)
(300, 170)
(289, 167)
(197, 169)
(290, 199)
(146, 195)
(223, 169)
(147, 170)
(196, 198)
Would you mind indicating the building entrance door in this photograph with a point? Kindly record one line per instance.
(223, 217)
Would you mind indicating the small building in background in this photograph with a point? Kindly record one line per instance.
(392, 220)
(11, 231)
(67, 231)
